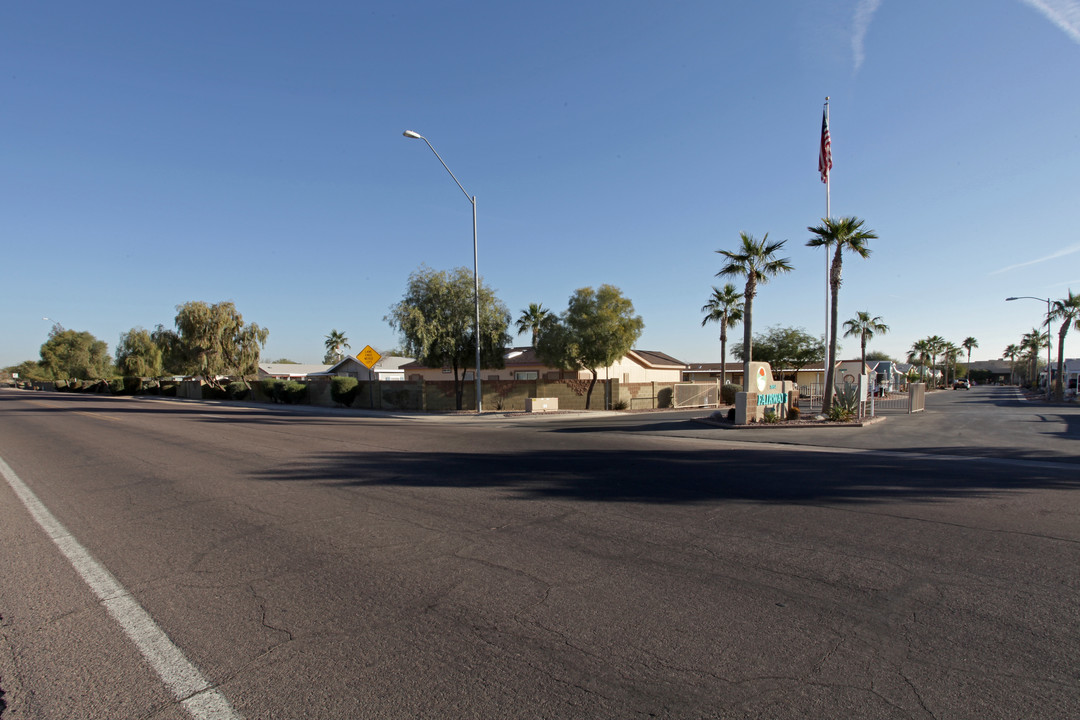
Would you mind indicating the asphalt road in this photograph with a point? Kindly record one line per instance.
(322, 564)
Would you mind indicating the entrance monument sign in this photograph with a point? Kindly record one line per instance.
(771, 394)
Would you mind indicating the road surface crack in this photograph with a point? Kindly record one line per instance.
(262, 619)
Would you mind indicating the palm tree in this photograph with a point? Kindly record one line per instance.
(969, 344)
(950, 352)
(845, 233)
(864, 327)
(757, 261)
(919, 353)
(1012, 352)
(1068, 311)
(335, 343)
(936, 344)
(1032, 343)
(533, 319)
(724, 307)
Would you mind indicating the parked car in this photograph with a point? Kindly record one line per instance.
(961, 384)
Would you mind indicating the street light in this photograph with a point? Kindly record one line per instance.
(476, 275)
(1049, 361)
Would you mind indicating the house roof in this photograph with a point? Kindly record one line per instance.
(291, 369)
(527, 357)
(386, 362)
(392, 362)
(657, 359)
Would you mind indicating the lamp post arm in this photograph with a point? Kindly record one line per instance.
(470, 199)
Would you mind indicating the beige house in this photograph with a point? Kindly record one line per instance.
(848, 371)
(637, 366)
(809, 375)
(389, 367)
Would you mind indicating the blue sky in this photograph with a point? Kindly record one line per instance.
(156, 153)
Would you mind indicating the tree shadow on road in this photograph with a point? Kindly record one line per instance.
(759, 475)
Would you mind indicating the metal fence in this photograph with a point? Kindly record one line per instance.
(810, 397)
(910, 400)
(693, 395)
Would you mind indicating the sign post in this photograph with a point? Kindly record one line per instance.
(368, 357)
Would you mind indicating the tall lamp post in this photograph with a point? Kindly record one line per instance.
(1049, 360)
(476, 275)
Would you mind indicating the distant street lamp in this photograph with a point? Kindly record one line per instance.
(476, 275)
(1049, 361)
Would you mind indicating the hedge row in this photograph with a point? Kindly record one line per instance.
(118, 386)
(289, 392)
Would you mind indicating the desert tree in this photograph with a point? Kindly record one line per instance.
(597, 328)
(437, 321)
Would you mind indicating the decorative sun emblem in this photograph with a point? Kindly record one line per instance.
(761, 379)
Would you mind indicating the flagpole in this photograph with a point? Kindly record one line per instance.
(826, 166)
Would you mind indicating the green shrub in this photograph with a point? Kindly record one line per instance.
(848, 398)
(167, 389)
(295, 392)
(731, 415)
(839, 413)
(343, 390)
(237, 390)
(116, 386)
(273, 390)
(132, 385)
(620, 405)
(270, 389)
(770, 416)
(289, 392)
(61, 386)
(727, 393)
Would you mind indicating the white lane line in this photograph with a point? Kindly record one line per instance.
(196, 695)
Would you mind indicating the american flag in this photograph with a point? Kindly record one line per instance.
(824, 162)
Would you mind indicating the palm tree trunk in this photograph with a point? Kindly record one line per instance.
(723, 350)
(1059, 388)
(830, 372)
(748, 321)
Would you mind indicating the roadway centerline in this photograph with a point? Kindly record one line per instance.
(194, 692)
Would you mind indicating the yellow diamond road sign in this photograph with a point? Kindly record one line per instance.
(369, 356)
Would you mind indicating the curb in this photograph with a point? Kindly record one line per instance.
(791, 426)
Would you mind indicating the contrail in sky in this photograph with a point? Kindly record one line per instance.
(1053, 256)
(864, 12)
(1063, 13)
